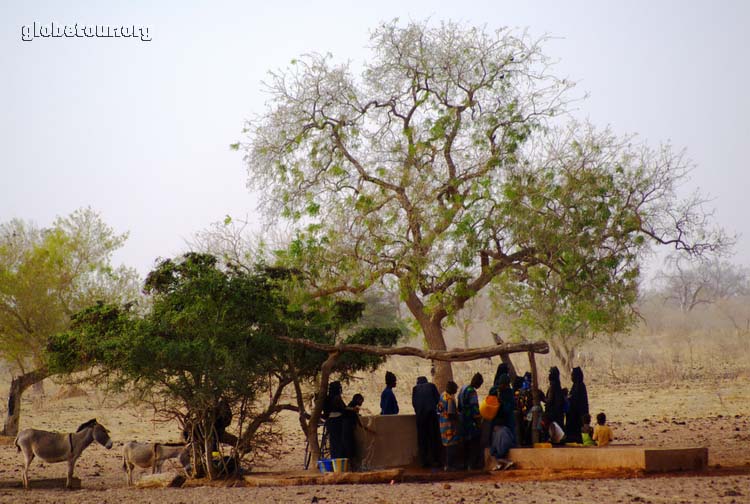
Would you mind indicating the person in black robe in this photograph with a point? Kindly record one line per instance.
(424, 399)
(334, 410)
(554, 401)
(350, 423)
(578, 402)
(502, 369)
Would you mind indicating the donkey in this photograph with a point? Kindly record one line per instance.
(56, 447)
(151, 455)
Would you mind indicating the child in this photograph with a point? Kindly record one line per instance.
(602, 432)
(448, 420)
(587, 431)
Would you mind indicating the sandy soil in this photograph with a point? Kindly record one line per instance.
(715, 415)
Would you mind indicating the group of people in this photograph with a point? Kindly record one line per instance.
(464, 425)
(566, 418)
(454, 428)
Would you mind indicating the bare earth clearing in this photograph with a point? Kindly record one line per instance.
(716, 415)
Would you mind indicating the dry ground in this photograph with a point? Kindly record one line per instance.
(716, 415)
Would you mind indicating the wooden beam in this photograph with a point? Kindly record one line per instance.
(439, 355)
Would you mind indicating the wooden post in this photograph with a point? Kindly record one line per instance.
(535, 398)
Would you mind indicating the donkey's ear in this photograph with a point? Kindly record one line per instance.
(86, 424)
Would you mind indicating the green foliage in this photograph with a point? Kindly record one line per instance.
(436, 169)
(212, 333)
(581, 214)
(47, 275)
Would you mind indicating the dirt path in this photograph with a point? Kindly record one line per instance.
(685, 416)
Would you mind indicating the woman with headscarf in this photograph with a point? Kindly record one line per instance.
(554, 399)
(578, 405)
(350, 423)
(334, 409)
(502, 369)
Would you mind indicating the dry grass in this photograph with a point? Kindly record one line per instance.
(655, 415)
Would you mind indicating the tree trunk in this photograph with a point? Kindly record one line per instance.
(564, 354)
(18, 386)
(433, 333)
(208, 428)
(300, 404)
(312, 426)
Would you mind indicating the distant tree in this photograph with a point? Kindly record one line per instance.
(46, 275)
(690, 284)
(209, 347)
(232, 241)
(437, 171)
(564, 311)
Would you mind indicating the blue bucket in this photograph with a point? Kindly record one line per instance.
(325, 465)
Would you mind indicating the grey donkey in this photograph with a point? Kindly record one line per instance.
(54, 447)
(151, 455)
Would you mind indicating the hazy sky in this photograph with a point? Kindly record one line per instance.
(139, 130)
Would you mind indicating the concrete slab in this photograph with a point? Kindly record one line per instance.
(647, 459)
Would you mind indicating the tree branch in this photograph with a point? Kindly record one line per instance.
(439, 355)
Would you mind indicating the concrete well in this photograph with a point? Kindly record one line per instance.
(394, 443)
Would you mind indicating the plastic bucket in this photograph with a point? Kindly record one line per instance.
(340, 465)
(325, 465)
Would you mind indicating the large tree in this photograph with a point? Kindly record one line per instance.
(46, 275)
(434, 169)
